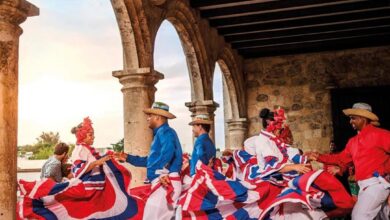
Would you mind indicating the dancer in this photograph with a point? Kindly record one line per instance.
(99, 189)
(369, 151)
(163, 164)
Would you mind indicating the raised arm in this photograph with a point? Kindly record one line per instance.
(136, 160)
(344, 157)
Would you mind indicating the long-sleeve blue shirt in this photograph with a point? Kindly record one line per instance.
(165, 152)
(204, 150)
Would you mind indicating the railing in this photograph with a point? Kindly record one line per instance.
(29, 170)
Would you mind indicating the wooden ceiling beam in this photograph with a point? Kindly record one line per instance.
(313, 37)
(308, 47)
(272, 6)
(306, 22)
(308, 30)
(300, 13)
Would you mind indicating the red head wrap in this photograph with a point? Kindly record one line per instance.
(83, 129)
(278, 122)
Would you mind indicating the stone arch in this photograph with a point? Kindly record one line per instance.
(182, 18)
(138, 31)
(194, 70)
(135, 34)
(231, 110)
(231, 72)
(236, 124)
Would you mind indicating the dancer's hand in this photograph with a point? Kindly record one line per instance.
(102, 160)
(120, 156)
(227, 152)
(312, 156)
(301, 168)
(333, 170)
(164, 180)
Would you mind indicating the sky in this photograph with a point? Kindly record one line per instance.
(66, 58)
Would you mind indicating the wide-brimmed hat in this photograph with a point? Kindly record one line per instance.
(201, 119)
(160, 108)
(363, 110)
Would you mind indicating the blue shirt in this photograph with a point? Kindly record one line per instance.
(204, 150)
(165, 152)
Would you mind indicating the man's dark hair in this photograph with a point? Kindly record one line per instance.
(61, 148)
(206, 127)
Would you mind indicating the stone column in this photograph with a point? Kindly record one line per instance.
(138, 94)
(206, 107)
(237, 129)
(227, 112)
(12, 14)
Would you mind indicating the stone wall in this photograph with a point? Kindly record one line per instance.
(301, 83)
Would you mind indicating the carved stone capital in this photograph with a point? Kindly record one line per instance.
(138, 78)
(16, 11)
(237, 124)
(207, 107)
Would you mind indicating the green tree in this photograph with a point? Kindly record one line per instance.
(119, 146)
(43, 148)
(44, 152)
(49, 138)
(28, 148)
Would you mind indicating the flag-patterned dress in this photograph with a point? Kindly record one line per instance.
(102, 193)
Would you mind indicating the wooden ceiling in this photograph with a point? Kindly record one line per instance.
(258, 28)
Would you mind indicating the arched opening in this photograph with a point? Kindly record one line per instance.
(67, 55)
(231, 99)
(235, 125)
(175, 88)
(222, 113)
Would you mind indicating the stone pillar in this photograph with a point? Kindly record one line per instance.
(206, 107)
(12, 14)
(237, 129)
(227, 112)
(138, 94)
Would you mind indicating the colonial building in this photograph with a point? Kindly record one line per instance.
(312, 58)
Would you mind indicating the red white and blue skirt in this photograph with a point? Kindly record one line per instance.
(105, 195)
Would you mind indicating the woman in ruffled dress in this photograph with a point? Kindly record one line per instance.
(100, 188)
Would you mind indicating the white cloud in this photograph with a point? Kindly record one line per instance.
(67, 55)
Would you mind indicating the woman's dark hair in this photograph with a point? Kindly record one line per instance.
(266, 114)
(74, 129)
(206, 127)
(65, 169)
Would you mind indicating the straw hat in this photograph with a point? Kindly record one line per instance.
(160, 108)
(363, 110)
(201, 119)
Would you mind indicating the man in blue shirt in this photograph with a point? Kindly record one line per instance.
(204, 149)
(163, 164)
